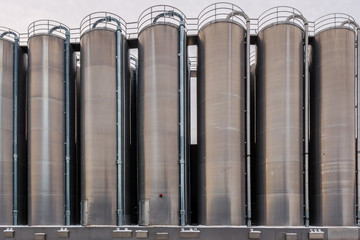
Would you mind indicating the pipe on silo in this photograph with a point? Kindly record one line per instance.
(248, 112)
(182, 132)
(119, 124)
(306, 112)
(15, 125)
(358, 128)
(67, 120)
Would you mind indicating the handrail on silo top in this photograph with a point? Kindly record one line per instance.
(44, 26)
(334, 20)
(15, 122)
(107, 20)
(221, 11)
(278, 15)
(152, 15)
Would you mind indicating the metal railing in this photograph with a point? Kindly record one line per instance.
(44, 26)
(333, 20)
(148, 16)
(214, 12)
(94, 19)
(278, 15)
(221, 11)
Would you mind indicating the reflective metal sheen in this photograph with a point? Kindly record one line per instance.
(158, 125)
(46, 130)
(332, 136)
(221, 124)
(279, 126)
(98, 128)
(6, 135)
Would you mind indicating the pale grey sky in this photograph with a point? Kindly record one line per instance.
(18, 14)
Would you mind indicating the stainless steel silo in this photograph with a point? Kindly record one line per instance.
(98, 128)
(8, 201)
(279, 119)
(332, 152)
(221, 118)
(158, 117)
(48, 197)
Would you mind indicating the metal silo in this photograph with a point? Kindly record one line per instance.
(280, 118)
(221, 115)
(104, 128)
(13, 184)
(162, 69)
(50, 138)
(333, 126)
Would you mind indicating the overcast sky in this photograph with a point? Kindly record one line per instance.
(18, 14)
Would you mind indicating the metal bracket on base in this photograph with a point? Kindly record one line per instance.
(290, 236)
(141, 234)
(63, 233)
(254, 234)
(40, 236)
(162, 236)
(316, 234)
(122, 233)
(192, 233)
(9, 233)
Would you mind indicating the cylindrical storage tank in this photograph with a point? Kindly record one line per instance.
(7, 131)
(221, 116)
(332, 135)
(46, 125)
(98, 128)
(158, 119)
(279, 119)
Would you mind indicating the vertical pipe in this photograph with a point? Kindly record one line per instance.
(306, 127)
(15, 124)
(67, 121)
(357, 71)
(248, 123)
(15, 132)
(119, 124)
(182, 127)
(67, 129)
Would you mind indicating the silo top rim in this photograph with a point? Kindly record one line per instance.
(335, 20)
(160, 14)
(221, 21)
(222, 11)
(43, 26)
(102, 20)
(159, 24)
(281, 14)
(281, 23)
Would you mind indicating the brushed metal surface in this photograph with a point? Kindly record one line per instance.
(279, 126)
(6, 135)
(46, 130)
(158, 125)
(221, 124)
(332, 140)
(98, 126)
